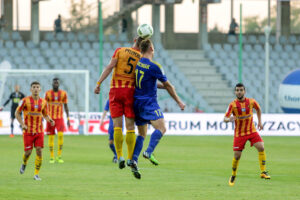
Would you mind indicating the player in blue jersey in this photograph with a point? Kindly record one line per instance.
(110, 131)
(146, 107)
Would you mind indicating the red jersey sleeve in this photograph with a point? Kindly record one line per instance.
(21, 105)
(116, 53)
(256, 106)
(229, 111)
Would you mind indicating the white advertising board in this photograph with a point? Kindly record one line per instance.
(179, 124)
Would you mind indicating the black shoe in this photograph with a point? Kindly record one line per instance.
(135, 170)
(22, 169)
(121, 162)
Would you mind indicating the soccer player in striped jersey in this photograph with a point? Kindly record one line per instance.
(110, 131)
(123, 63)
(34, 108)
(146, 107)
(240, 111)
(56, 100)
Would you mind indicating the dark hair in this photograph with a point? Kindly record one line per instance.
(55, 79)
(240, 85)
(35, 83)
(145, 45)
(138, 41)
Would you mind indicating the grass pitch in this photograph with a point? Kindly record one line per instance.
(190, 168)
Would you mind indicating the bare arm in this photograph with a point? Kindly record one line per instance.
(67, 113)
(105, 74)
(171, 90)
(160, 86)
(229, 119)
(48, 119)
(103, 117)
(19, 118)
(258, 112)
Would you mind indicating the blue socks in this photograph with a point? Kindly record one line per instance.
(138, 148)
(154, 140)
(113, 149)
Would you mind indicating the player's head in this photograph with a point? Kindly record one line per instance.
(17, 88)
(137, 42)
(55, 83)
(35, 88)
(147, 47)
(240, 91)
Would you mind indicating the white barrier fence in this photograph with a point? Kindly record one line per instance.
(178, 124)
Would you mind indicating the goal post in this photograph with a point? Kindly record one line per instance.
(73, 77)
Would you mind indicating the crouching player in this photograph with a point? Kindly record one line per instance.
(34, 109)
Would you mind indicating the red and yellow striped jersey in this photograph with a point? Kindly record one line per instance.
(124, 72)
(33, 111)
(55, 101)
(243, 111)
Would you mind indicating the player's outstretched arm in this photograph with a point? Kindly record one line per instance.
(6, 102)
(160, 86)
(171, 90)
(19, 118)
(105, 74)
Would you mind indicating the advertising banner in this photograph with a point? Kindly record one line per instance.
(177, 124)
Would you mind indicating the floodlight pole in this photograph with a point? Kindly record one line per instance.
(267, 67)
(241, 46)
(100, 49)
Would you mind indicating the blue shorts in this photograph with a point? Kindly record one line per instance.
(146, 110)
(111, 129)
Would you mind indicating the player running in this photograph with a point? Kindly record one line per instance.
(34, 109)
(242, 110)
(123, 63)
(110, 131)
(146, 107)
(56, 99)
(15, 97)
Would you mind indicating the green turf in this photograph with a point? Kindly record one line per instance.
(190, 168)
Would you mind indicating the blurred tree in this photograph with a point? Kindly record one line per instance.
(254, 24)
(81, 19)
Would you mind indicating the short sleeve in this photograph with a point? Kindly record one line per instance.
(256, 106)
(116, 53)
(65, 98)
(21, 105)
(106, 108)
(229, 111)
(159, 73)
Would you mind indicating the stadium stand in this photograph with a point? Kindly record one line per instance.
(81, 51)
(283, 59)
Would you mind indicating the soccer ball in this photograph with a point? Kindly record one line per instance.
(145, 31)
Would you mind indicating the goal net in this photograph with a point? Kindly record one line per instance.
(74, 82)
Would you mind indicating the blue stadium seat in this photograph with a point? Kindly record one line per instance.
(65, 45)
(54, 45)
(16, 36)
(9, 44)
(92, 37)
(70, 36)
(49, 36)
(75, 45)
(86, 45)
(60, 36)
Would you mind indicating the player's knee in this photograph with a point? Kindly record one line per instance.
(237, 155)
(261, 148)
(39, 151)
(110, 141)
(163, 130)
(28, 152)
